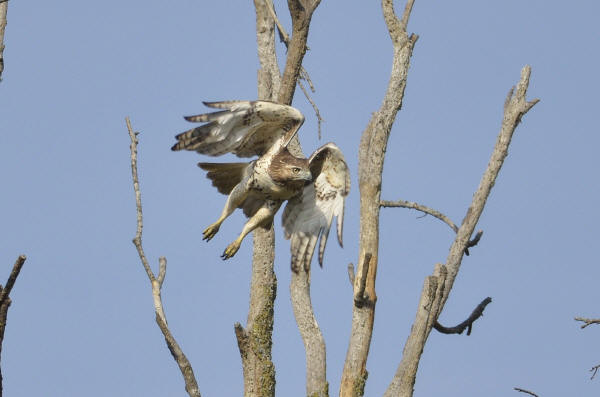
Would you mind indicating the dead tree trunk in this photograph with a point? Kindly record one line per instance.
(371, 155)
(256, 339)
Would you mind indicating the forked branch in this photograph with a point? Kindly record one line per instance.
(191, 386)
(301, 12)
(515, 107)
(372, 148)
(587, 321)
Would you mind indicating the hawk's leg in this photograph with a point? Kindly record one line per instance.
(263, 216)
(234, 200)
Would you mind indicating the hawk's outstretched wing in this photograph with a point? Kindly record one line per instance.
(245, 128)
(309, 215)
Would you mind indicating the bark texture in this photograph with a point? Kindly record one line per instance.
(314, 344)
(371, 156)
(3, 10)
(5, 302)
(515, 108)
(281, 90)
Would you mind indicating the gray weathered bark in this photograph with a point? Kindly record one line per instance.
(282, 91)
(314, 344)
(371, 155)
(255, 341)
(515, 107)
(3, 10)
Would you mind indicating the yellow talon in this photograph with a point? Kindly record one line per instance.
(231, 250)
(210, 231)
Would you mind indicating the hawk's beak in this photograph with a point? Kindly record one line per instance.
(307, 176)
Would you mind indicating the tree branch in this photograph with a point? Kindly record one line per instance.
(422, 208)
(515, 107)
(12, 278)
(525, 391)
(312, 103)
(468, 323)
(314, 343)
(587, 321)
(285, 38)
(434, 213)
(5, 302)
(191, 386)
(360, 298)
(255, 341)
(301, 12)
(371, 156)
(427, 311)
(3, 11)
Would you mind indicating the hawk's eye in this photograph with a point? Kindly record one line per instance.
(296, 170)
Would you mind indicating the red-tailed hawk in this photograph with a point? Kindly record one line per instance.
(315, 188)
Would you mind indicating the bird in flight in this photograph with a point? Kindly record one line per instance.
(315, 188)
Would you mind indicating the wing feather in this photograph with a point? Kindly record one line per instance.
(309, 215)
(225, 176)
(244, 128)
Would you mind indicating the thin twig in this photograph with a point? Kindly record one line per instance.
(430, 211)
(587, 321)
(594, 370)
(468, 323)
(285, 38)
(526, 391)
(137, 240)
(191, 386)
(422, 208)
(315, 108)
(304, 76)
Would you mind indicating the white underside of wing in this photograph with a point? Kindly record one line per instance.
(308, 216)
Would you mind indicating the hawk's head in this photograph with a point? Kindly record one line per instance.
(287, 168)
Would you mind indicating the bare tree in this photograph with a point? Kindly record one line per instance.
(255, 339)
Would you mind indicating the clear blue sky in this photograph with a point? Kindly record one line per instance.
(82, 320)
